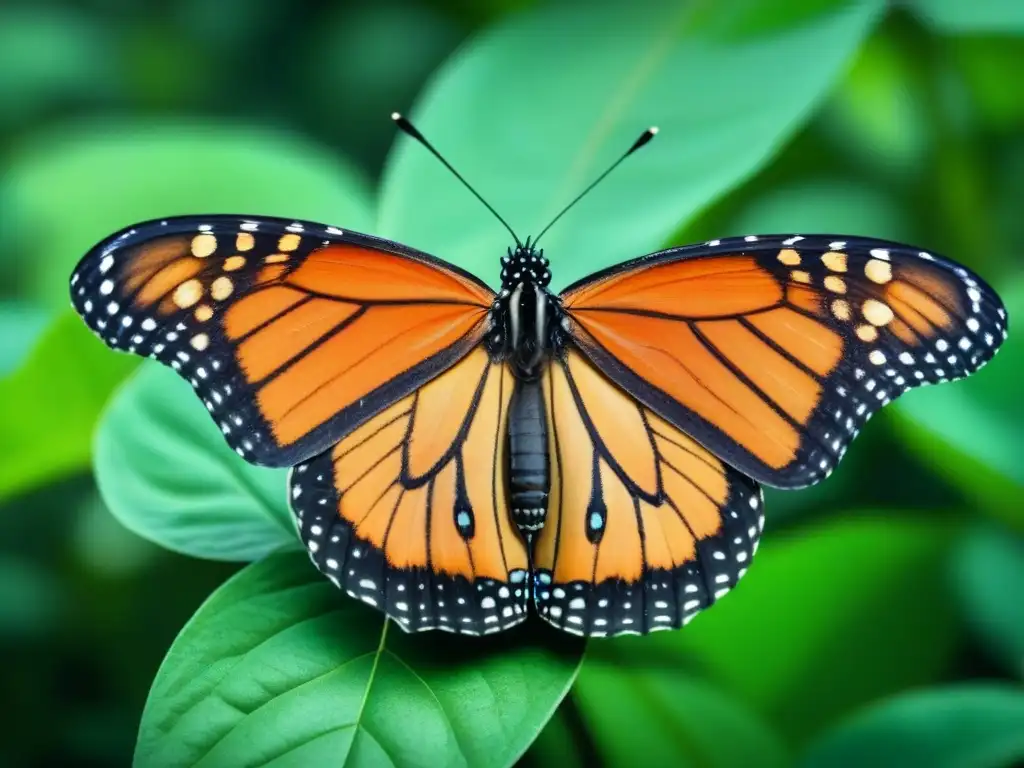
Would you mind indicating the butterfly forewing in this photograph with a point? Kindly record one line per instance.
(292, 333)
(774, 351)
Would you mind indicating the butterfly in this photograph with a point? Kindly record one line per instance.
(459, 454)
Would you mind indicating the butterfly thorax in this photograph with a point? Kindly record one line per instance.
(525, 314)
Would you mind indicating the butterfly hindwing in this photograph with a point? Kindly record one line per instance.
(644, 528)
(292, 333)
(408, 513)
(773, 351)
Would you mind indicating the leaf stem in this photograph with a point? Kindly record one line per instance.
(357, 723)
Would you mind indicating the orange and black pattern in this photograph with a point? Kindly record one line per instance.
(773, 351)
(671, 387)
(408, 513)
(645, 527)
(292, 333)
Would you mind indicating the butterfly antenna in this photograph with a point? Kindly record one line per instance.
(411, 130)
(645, 137)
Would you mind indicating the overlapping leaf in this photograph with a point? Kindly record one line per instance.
(828, 619)
(166, 472)
(277, 668)
(967, 726)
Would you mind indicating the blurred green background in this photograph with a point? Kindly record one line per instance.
(883, 621)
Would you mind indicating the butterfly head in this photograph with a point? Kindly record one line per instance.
(524, 265)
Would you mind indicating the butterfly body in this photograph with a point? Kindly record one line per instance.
(529, 469)
(461, 453)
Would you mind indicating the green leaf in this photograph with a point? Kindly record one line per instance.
(278, 668)
(977, 16)
(167, 474)
(49, 406)
(678, 720)
(831, 617)
(971, 430)
(21, 325)
(988, 577)
(86, 181)
(724, 102)
(966, 726)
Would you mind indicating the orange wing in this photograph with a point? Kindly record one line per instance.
(773, 351)
(292, 333)
(408, 513)
(644, 526)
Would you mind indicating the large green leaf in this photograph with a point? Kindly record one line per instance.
(834, 616)
(988, 577)
(535, 108)
(977, 16)
(166, 472)
(89, 180)
(280, 669)
(971, 430)
(49, 405)
(967, 726)
(672, 717)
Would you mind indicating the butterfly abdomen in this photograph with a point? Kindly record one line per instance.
(529, 467)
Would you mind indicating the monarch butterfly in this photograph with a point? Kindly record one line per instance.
(459, 453)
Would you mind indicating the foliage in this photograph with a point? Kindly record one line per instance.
(58, 391)
(673, 65)
(976, 725)
(872, 592)
(274, 668)
(219, 508)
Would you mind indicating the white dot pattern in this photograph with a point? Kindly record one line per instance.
(663, 599)
(448, 603)
(179, 335)
(877, 363)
